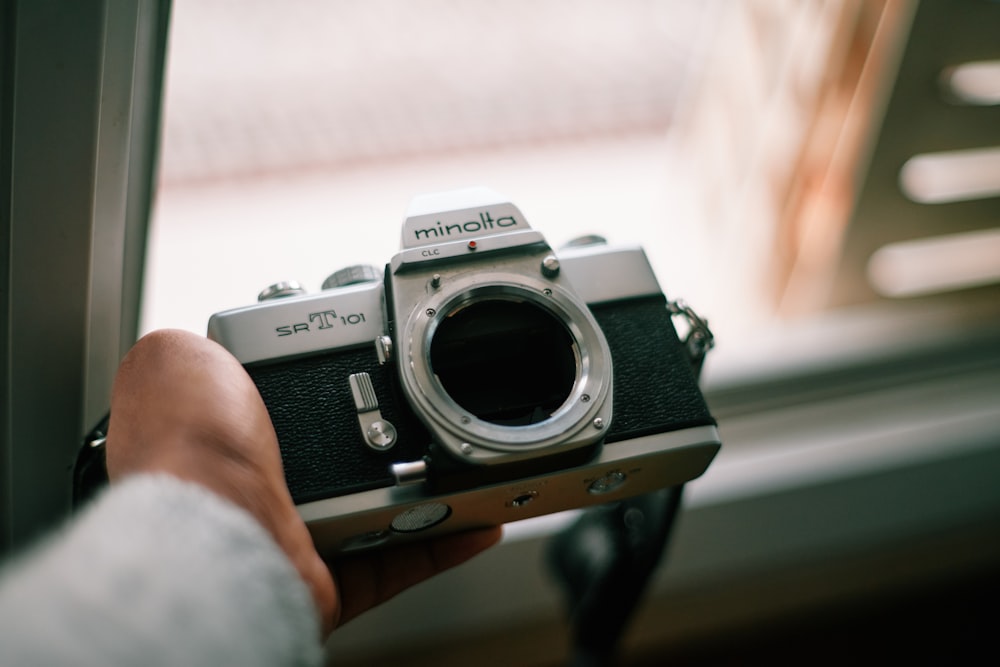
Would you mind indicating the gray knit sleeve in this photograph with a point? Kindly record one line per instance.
(157, 572)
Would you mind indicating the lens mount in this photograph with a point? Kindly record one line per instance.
(470, 343)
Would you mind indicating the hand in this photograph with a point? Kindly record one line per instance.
(182, 405)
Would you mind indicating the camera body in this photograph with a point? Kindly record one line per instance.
(481, 379)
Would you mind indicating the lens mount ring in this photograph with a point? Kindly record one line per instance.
(477, 440)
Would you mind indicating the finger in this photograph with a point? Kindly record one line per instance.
(368, 580)
(182, 405)
(165, 383)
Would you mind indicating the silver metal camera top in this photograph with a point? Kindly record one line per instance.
(298, 325)
(601, 273)
(450, 225)
(458, 215)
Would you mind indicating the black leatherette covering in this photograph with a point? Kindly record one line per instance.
(313, 413)
(654, 387)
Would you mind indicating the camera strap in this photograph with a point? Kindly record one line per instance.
(604, 585)
(90, 472)
(698, 339)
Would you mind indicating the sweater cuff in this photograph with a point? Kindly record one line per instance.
(159, 571)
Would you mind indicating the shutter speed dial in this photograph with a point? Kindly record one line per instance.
(352, 275)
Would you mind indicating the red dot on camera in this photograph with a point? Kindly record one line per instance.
(472, 245)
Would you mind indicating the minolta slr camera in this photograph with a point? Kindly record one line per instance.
(482, 378)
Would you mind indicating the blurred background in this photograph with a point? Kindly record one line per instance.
(819, 178)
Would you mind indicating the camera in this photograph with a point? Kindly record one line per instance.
(480, 378)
